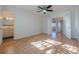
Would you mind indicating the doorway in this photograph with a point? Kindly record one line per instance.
(60, 26)
(57, 26)
(7, 26)
(54, 29)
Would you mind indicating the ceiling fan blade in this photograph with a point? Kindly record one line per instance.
(50, 10)
(40, 7)
(49, 6)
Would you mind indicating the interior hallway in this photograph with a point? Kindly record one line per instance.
(40, 44)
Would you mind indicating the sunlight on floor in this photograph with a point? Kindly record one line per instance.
(59, 47)
(71, 48)
(41, 45)
(50, 51)
(45, 44)
(53, 42)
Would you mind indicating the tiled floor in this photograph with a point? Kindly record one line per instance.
(40, 44)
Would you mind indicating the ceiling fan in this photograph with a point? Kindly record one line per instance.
(45, 8)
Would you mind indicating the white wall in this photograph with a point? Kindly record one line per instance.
(47, 21)
(26, 23)
(74, 23)
(77, 22)
(78, 26)
(67, 25)
(73, 15)
(45, 25)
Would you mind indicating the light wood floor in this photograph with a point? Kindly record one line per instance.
(32, 45)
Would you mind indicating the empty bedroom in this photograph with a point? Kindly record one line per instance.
(39, 29)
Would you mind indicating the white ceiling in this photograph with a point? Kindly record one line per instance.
(56, 8)
(33, 8)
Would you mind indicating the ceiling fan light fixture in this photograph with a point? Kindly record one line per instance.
(44, 11)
